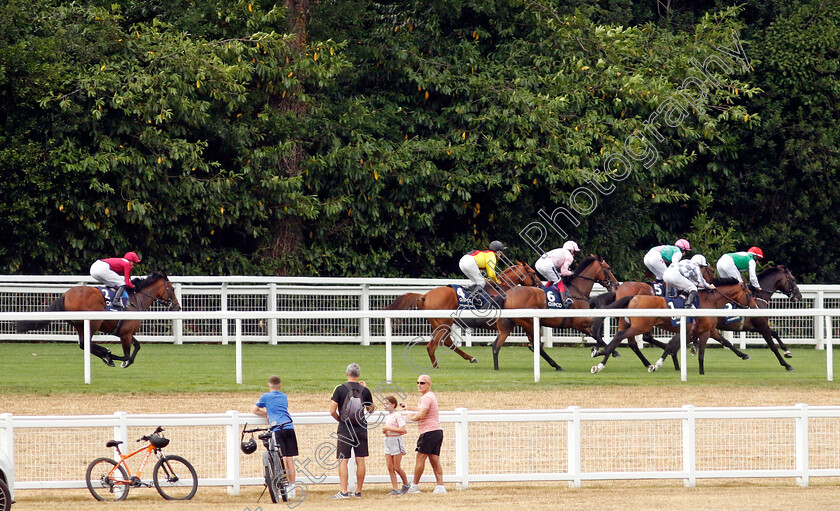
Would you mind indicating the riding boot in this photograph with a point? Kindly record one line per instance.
(691, 300)
(565, 300)
(117, 302)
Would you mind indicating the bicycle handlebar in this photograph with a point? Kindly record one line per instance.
(145, 438)
(254, 430)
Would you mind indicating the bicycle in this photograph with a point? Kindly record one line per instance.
(108, 479)
(276, 477)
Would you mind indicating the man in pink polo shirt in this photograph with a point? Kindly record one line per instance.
(431, 435)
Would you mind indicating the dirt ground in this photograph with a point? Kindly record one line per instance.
(782, 494)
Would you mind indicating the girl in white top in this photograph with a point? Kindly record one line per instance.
(394, 429)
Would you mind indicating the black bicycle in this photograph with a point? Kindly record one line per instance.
(276, 477)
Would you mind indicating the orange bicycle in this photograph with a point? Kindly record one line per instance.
(173, 476)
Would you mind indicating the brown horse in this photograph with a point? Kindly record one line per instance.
(631, 288)
(578, 287)
(445, 298)
(775, 278)
(727, 291)
(147, 290)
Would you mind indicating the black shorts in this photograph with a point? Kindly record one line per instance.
(286, 441)
(353, 439)
(429, 442)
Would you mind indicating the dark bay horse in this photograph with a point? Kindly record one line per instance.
(444, 298)
(775, 278)
(578, 287)
(152, 288)
(728, 291)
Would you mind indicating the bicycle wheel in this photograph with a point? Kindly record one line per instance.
(175, 478)
(5, 497)
(278, 479)
(104, 486)
(270, 485)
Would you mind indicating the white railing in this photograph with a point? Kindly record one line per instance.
(573, 445)
(819, 316)
(24, 293)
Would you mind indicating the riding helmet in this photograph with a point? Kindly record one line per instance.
(158, 441)
(131, 256)
(249, 446)
(756, 252)
(699, 260)
(683, 244)
(571, 246)
(495, 246)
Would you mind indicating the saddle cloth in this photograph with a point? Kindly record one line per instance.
(552, 298)
(108, 294)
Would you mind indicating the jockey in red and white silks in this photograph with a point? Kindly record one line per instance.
(732, 264)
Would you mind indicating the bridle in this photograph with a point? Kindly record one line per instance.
(789, 282)
(168, 301)
(606, 282)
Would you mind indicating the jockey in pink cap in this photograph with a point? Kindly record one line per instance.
(115, 272)
(659, 258)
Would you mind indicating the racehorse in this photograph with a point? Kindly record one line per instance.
(775, 278)
(727, 291)
(445, 298)
(578, 286)
(150, 289)
(631, 288)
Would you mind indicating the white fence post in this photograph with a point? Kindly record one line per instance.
(689, 447)
(573, 447)
(272, 307)
(802, 445)
(389, 354)
(178, 324)
(224, 308)
(537, 350)
(818, 321)
(462, 448)
(87, 351)
(829, 353)
(7, 440)
(683, 357)
(233, 457)
(121, 431)
(239, 351)
(364, 305)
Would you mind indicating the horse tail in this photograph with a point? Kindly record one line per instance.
(26, 326)
(597, 323)
(602, 300)
(405, 302)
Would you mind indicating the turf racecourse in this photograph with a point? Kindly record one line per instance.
(56, 368)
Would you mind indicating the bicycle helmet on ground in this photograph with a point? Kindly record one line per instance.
(158, 441)
(249, 446)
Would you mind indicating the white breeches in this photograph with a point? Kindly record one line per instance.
(674, 278)
(654, 263)
(545, 265)
(471, 270)
(102, 272)
(726, 268)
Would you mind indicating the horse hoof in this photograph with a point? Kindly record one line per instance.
(594, 353)
(745, 357)
(108, 361)
(597, 369)
(558, 368)
(473, 360)
(124, 364)
(651, 368)
(790, 368)
(693, 351)
(616, 354)
(788, 354)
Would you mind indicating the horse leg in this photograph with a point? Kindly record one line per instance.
(702, 340)
(721, 339)
(505, 327)
(763, 327)
(635, 347)
(95, 349)
(782, 345)
(127, 343)
(670, 350)
(629, 332)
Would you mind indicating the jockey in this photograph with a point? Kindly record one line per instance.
(472, 264)
(732, 264)
(658, 258)
(108, 272)
(686, 275)
(559, 258)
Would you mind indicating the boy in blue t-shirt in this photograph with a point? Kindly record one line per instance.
(275, 406)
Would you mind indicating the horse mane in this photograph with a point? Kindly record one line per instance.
(725, 281)
(141, 283)
(772, 269)
(585, 264)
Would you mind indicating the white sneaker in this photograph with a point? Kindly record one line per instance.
(413, 489)
(440, 489)
(291, 493)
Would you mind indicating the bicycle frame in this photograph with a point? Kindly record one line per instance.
(149, 450)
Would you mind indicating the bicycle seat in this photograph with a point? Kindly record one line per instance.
(264, 436)
(113, 443)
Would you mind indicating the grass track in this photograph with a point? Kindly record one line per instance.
(55, 368)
